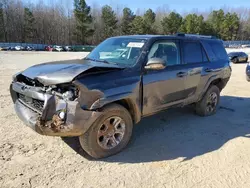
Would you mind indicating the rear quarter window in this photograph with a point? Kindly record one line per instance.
(215, 50)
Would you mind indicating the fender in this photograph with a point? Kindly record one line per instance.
(210, 80)
(133, 104)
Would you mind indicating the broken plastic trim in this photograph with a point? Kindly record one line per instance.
(76, 122)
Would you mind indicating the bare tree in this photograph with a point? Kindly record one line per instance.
(55, 22)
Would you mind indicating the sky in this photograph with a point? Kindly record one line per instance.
(178, 5)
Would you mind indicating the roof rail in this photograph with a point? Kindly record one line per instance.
(195, 35)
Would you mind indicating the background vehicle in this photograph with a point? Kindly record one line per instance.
(6, 48)
(245, 46)
(237, 57)
(57, 48)
(67, 48)
(28, 48)
(17, 48)
(48, 48)
(100, 99)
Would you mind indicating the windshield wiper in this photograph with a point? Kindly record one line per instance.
(102, 61)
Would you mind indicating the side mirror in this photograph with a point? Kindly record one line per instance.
(155, 64)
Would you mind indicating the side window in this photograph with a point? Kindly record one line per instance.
(210, 53)
(166, 50)
(217, 49)
(192, 52)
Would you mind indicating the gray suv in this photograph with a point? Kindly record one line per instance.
(101, 97)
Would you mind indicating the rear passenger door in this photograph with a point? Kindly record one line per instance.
(196, 62)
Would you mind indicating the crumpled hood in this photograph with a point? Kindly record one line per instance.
(57, 72)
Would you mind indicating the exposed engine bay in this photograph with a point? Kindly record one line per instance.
(67, 92)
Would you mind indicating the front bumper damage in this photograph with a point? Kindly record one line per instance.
(47, 121)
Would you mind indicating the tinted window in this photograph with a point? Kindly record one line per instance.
(192, 52)
(216, 49)
(166, 50)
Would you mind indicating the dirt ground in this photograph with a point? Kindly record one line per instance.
(172, 149)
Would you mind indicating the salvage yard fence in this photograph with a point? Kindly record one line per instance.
(88, 48)
(237, 44)
(41, 47)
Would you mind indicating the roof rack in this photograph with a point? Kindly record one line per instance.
(195, 35)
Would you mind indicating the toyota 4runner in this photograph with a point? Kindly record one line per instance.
(100, 98)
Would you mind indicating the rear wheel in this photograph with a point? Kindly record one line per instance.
(109, 134)
(209, 103)
(235, 60)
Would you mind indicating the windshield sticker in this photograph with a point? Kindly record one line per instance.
(135, 44)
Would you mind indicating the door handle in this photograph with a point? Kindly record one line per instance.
(181, 74)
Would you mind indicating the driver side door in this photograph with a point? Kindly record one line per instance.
(166, 87)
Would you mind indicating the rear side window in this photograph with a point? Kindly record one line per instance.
(192, 52)
(216, 50)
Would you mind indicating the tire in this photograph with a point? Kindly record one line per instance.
(206, 108)
(246, 60)
(95, 144)
(235, 60)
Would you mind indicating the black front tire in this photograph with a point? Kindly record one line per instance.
(89, 141)
(203, 107)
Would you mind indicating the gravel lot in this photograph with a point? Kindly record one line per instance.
(172, 149)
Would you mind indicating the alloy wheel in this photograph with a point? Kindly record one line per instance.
(111, 132)
(212, 102)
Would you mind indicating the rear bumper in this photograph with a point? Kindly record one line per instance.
(75, 123)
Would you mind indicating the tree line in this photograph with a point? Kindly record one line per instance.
(58, 23)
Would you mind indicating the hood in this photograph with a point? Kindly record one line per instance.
(53, 73)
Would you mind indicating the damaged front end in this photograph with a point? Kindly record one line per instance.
(51, 110)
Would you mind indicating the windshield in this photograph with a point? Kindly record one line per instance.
(233, 53)
(121, 51)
